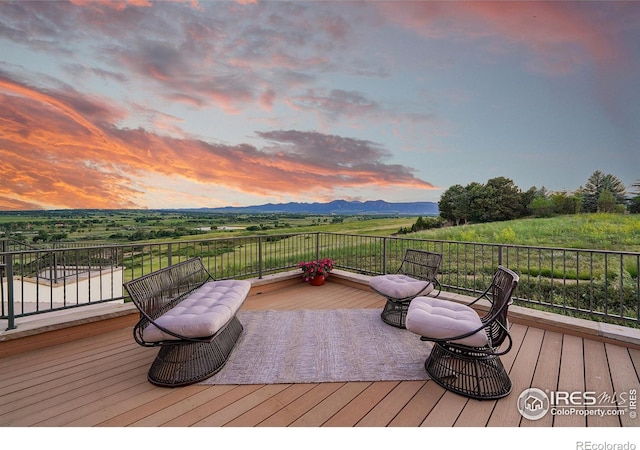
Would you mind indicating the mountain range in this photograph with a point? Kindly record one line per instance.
(337, 207)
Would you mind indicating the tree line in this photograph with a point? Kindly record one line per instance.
(500, 199)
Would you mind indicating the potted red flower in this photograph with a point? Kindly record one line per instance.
(316, 271)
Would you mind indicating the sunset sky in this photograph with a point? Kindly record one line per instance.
(205, 104)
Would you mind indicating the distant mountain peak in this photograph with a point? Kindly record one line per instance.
(338, 207)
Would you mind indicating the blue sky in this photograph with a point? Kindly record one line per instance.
(194, 104)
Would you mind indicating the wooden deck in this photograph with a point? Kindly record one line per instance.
(100, 381)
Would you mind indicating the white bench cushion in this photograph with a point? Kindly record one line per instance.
(203, 312)
(400, 286)
(441, 319)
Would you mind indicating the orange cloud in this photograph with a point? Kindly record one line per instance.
(62, 150)
(561, 35)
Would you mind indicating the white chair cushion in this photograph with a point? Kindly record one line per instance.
(203, 312)
(442, 319)
(400, 286)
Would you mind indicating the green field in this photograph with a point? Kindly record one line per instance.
(123, 226)
(586, 231)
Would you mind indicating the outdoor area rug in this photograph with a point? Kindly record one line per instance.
(312, 346)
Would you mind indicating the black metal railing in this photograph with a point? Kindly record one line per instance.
(597, 284)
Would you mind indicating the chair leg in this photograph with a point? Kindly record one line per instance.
(187, 363)
(468, 373)
(395, 313)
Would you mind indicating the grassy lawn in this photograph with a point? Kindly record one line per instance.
(585, 231)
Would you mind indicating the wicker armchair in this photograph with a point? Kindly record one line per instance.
(416, 276)
(467, 347)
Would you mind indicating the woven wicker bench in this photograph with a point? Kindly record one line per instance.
(191, 317)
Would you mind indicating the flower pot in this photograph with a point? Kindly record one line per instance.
(318, 280)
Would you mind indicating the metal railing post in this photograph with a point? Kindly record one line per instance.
(54, 265)
(8, 259)
(317, 245)
(260, 257)
(169, 253)
(384, 255)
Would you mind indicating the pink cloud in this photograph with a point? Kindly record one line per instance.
(267, 99)
(559, 35)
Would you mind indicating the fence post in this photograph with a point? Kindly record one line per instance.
(384, 255)
(260, 257)
(317, 245)
(169, 254)
(499, 255)
(54, 265)
(8, 259)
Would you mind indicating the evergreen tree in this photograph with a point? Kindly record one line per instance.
(563, 203)
(596, 184)
(634, 203)
(506, 197)
(606, 202)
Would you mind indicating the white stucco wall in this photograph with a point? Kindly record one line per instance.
(86, 287)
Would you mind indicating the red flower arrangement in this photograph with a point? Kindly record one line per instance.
(312, 269)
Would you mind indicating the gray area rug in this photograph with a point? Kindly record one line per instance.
(312, 346)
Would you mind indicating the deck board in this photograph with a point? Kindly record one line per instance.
(623, 379)
(301, 406)
(476, 413)
(327, 408)
(390, 406)
(351, 414)
(521, 374)
(192, 410)
(269, 407)
(101, 381)
(251, 400)
(635, 357)
(571, 377)
(598, 379)
(419, 407)
(546, 373)
(446, 411)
